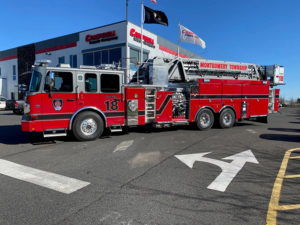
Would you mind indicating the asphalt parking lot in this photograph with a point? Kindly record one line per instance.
(157, 177)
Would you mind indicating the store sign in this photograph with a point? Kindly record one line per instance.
(137, 37)
(101, 37)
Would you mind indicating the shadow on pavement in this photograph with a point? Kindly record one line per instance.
(12, 134)
(281, 137)
(295, 122)
(285, 129)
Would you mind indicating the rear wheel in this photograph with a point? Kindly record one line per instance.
(87, 126)
(205, 119)
(227, 118)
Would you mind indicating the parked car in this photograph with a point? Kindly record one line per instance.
(19, 107)
(10, 104)
(2, 103)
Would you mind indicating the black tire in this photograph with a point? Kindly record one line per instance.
(227, 118)
(205, 119)
(87, 126)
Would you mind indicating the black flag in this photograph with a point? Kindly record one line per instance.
(153, 16)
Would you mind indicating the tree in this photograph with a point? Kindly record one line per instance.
(292, 102)
(282, 100)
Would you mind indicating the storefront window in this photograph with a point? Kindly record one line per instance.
(73, 61)
(115, 55)
(135, 56)
(88, 59)
(14, 69)
(105, 57)
(97, 57)
(145, 56)
(61, 59)
(108, 56)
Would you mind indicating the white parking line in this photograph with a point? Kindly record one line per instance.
(124, 145)
(45, 179)
(251, 131)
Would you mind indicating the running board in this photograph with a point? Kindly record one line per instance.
(55, 133)
(115, 128)
(183, 122)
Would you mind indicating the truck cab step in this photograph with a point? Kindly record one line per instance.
(60, 132)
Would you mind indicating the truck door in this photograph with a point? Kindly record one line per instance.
(58, 106)
(110, 100)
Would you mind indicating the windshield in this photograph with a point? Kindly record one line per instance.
(35, 81)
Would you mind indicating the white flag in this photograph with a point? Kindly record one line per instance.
(188, 36)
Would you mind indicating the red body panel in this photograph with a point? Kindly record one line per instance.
(259, 100)
(164, 106)
(232, 97)
(220, 93)
(276, 105)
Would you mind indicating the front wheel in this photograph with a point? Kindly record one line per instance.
(205, 119)
(87, 126)
(227, 118)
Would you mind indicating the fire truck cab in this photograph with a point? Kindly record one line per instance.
(62, 98)
(163, 93)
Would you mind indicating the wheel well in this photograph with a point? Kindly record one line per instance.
(100, 113)
(204, 107)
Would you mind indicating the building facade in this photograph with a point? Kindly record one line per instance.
(116, 43)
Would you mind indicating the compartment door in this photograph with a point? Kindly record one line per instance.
(135, 106)
(259, 100)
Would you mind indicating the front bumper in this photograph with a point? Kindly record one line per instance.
(31, 125)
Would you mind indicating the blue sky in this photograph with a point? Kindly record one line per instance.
(258, 31)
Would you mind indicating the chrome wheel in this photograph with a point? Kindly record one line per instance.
(205, 120)
(88, 126)
(227, 119)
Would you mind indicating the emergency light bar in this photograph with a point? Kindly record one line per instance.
(42, 62)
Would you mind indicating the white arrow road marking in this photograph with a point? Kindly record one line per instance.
(123, 146)
(45, 179)
(229, 170)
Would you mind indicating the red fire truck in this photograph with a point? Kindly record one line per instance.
(162, 93)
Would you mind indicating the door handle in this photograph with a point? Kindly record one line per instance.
(70, 100)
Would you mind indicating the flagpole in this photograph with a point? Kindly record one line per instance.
(178, 56)
(126, 51)
(142, 22)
